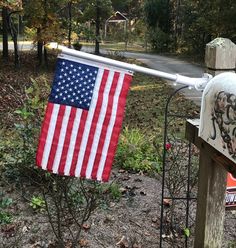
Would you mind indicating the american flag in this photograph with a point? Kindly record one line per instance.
(83, 119)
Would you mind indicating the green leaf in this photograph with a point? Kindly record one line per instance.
(29, 90)
(187, 232)
(6, 202)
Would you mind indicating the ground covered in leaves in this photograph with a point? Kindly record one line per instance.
(131, 218)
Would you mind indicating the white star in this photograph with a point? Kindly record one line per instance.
(70, 89)
(87, 69)
(80, 102)
(64, 98)
(63, 62)
(71, 65)
(80, 68)
(69, 96)
(75, 87)
(57, 90)
(72, 100)
(60, 76)
(60, 94)
(77, 98)
(67, 67)
(85, 100)
(68, 78)
(73, 94)
(56, 96)
(74, 70)
(62, 69)
(67, 85)
(66, 91)
(65, 74)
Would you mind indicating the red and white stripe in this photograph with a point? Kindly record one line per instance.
(82, 143)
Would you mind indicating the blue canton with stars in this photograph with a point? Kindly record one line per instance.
(73, 84)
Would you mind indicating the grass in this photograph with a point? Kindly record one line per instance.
(146, 104)
(20, 38)
(118, 46)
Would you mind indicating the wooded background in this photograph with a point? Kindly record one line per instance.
(167, 25)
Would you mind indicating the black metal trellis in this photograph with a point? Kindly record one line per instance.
(179, 160)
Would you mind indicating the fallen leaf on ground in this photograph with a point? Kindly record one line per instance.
(136, 246)
(154, 220)
(9, 230)
(109, 218)
(122, 190)
(167, 202)
(142, 193)
(86, 226)
(123, 243)
(83, 242)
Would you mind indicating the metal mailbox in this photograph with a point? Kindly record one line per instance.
(218, 114)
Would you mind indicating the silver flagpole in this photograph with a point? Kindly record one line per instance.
(197, 83)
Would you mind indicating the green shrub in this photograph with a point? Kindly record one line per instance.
(18, 145)
(37, 203)
(5, 216)
(158, 39)
(111, 191)
(115, 191)
(77, 45)
(136, 153)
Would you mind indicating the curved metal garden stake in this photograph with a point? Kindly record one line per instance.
(187, 198)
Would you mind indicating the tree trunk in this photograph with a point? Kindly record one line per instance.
(70, 23)
(5, 33)
(168, 24)
(20, 25)
(13, 32)
(16, 51)
(40, 52)
(39, 47)
(97, 52)
(45, 53)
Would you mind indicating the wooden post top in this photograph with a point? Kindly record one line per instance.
(220, 54)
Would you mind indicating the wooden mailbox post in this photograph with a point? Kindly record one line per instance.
(216, 151)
